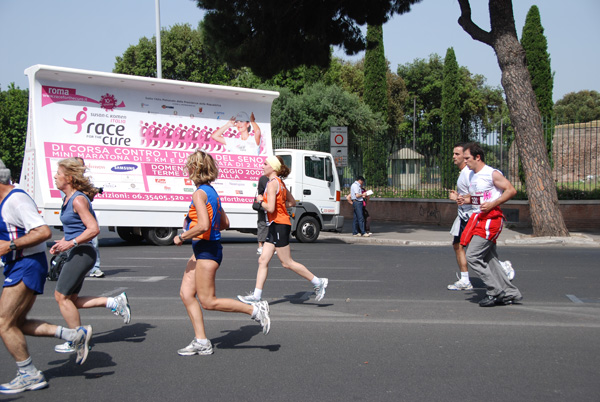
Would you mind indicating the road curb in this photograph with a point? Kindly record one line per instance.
(576, 240)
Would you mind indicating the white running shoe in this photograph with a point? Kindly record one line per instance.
(82, 343)
(248, 299)
(320, 289)
(66, 347)
(460, 285)
(122, 308)
(24, 382)
(508, 269)
(262, 316)
(97, 273)
(196, 348)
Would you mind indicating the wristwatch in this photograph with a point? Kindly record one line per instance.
(13, 246)
(181, 238)
(75, 243)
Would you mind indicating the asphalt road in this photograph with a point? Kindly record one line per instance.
(387, 330)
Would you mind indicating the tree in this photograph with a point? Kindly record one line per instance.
(479, 104)
(451, 123)
(270, 36)
(320, 107)
(546, 217)
(376, 97)
(578, 107)
(14, 103)
(538, 63)
(184, 58)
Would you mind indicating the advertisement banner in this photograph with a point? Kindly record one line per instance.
(135, 141)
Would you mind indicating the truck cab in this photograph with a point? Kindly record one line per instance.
(314, 183)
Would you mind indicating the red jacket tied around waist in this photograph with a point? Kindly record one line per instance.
(487, 225)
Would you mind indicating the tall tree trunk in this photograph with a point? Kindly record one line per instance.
(546, 217)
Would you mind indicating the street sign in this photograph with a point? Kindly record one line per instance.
(339, 136)
(340, 156)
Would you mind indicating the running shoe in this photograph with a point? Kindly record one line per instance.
(262, 316)
(508, 269)
(196, 348)
(320, 289)
(82, 343)
(122, 308)
(248, 299)
(97, 273)
(66, 347)
(460, 285)
(24, 382)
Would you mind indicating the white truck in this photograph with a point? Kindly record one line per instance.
(135, 133)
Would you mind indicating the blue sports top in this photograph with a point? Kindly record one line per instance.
(72, 224)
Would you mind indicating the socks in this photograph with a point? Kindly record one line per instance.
(315, 281)
(254, 311)
(27, 367)
(464, 277)
(66, 334)
(111, 303)
(258, 294)
(203, 342)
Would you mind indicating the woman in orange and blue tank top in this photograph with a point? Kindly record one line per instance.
(275, 201)
(203, 225)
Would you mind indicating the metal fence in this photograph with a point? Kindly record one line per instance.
(418, 173)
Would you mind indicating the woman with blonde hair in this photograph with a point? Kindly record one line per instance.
(276, 200)
(203, 224)
(80, 227)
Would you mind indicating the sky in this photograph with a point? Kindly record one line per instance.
(91, 34)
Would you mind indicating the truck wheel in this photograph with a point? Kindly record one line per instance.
(308, 230)
(160, 236)
(126, 233)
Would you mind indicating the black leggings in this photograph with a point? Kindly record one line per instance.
(81, 259)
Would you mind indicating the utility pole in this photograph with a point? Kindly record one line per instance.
(158, 46)
(414, 123)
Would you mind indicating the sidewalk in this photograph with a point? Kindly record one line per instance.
(393, 233)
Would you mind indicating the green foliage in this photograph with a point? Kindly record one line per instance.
(270, 36)
(184, 58)
(375, 71)
(320, 107)
(450, 118)
(481, 106)
(376, 97)
(578, 107)
(317, 109)
(14, 104)
(538, 63)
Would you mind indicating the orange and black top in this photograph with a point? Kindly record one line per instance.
(280, 214)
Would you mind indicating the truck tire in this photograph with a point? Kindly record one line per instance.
(160, 236)
(126, 233)
(308, 229)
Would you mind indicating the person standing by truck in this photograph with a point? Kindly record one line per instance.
(80, 227)
(261, 222)
(244, 144)
(276, 201)
(203, 224)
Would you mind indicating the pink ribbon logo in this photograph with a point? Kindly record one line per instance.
(80, 119)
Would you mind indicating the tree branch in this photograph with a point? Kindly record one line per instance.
(469, 26)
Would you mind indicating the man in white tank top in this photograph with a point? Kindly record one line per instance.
(488, 189)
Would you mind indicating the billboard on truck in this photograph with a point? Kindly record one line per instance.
(134, 134)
